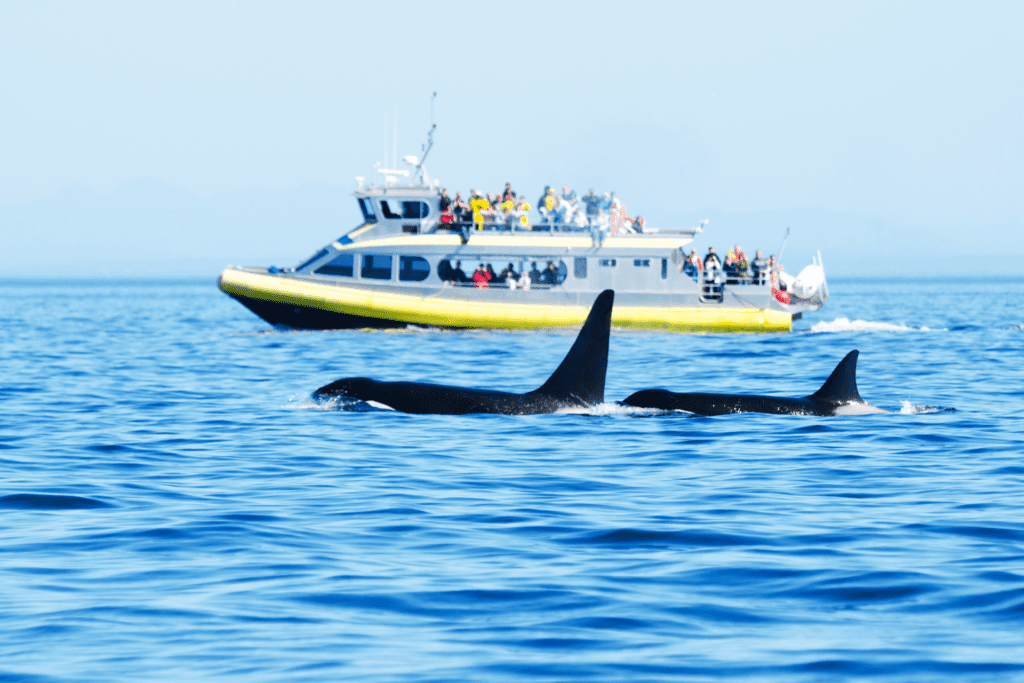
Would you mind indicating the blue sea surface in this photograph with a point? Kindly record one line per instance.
(173, 505)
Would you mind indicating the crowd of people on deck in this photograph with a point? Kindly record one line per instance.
(508, 211)
(484, 276)
(736, 268)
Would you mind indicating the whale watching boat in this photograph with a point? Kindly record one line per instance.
(402, 265)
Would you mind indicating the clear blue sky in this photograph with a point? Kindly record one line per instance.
(908, 113)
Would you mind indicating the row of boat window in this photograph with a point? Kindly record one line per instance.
(417, 268)
(377, 267)
(393, 208)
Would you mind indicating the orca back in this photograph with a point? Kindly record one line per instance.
(580, 378)
(841, 385)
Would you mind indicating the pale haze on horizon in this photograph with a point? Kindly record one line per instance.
(906, 116)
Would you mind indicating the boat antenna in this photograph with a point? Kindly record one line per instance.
(779, 260)
(430, 138)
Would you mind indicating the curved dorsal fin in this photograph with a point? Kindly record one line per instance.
(581, 375)
(841, 385)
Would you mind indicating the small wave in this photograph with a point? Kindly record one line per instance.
(608, 409)
(846, 325)
(43, 501)
(908, 408)
(335, 403)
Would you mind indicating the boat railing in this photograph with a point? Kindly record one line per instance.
(498, 285)
(514, 226)
(727, 277)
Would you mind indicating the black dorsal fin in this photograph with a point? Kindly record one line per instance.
(581, 375)
(841, 385)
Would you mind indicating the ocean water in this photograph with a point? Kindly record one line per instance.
(173, 505)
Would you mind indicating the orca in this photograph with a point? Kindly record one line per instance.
(837, 396)
(577, 383)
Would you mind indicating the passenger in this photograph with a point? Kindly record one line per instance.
(491, 211)
(524, 279)
(550, 205)
(742, 263)
(638, 224)
(522, 210)
(447, 219)
(535, 274)
(478, 204)
(606, 202)
(711, 260)
(460, 210)
(457, 275)
(758, 268)
(593, 204)
(616, 213)
(492, 276)
(565, 208)
(508, 193)
(779, 282)
(508, 205)
(568, 195)
(509, 273)
(740, 255)
(729, 268)
(445, 201)
(550, 275)
(480, 277)
(692, 265)
(541, 203)
(786, 281)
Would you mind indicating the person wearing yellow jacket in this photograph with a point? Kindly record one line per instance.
(523, 211)
(478, 204)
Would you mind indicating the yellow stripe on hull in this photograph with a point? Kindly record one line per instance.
(464, 313)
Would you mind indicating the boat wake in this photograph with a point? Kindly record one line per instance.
(606, 408)
(336, 403)
(908, 408)
(846, 325)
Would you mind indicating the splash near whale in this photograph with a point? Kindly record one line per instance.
(837, 396)
(577, 383)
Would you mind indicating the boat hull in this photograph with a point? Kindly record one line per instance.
(307, 304)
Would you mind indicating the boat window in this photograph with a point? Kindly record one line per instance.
(642, 262)
(562, 271)
(414, 209)
(413, 268)
(385, 208)
(664, 268)
(580, 269)
(315, 257)
(366, 206)
(608, 262)
(376, 266)
(343, 264)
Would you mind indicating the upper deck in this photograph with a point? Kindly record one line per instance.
(410, 215)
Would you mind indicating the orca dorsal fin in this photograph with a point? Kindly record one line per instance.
(841, 385)
(581, 375)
